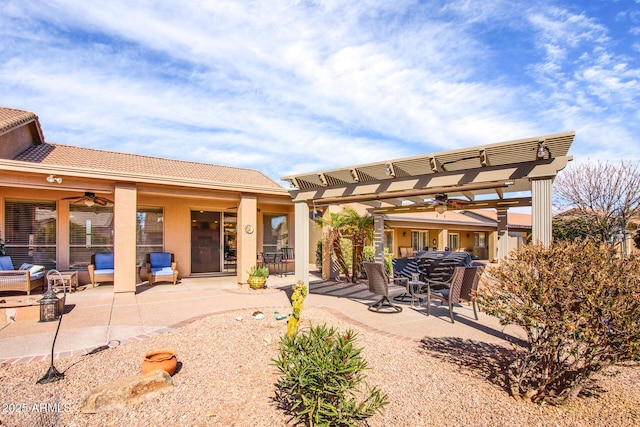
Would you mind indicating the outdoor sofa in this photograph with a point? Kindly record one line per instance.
(25, 279)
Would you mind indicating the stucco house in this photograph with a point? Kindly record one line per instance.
(60, 203)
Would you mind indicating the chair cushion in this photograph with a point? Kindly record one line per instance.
(6, 263)
(33, 269)
(443, 292)
(104, 271)
(159, 260)
(104, 261)
(164, 271)
(37, 275)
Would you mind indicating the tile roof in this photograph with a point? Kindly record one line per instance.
(513, 218)
(111, 161)
(11, 118)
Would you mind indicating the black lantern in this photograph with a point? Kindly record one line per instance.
(51, 307)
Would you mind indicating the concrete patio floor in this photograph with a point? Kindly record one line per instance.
(96, 317)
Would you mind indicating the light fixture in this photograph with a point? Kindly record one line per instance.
(389, 170)
(542, 148)
(89, 203)
(53, 178)
(441, 209)
(52, 308)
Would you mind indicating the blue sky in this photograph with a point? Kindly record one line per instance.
(297, 86)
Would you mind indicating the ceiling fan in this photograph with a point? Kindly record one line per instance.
(90, 199)
(442, 202)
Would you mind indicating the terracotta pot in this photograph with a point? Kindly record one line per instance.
(257, 282)
(161, 358)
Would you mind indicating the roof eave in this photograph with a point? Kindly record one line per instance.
(28, 167)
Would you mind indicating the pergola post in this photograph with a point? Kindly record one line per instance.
(301, 239)
(378, 238)
(541, 211)
(503, 233)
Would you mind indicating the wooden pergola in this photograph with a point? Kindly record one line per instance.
(499, 176)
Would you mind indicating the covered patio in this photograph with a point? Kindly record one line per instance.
(500, 176)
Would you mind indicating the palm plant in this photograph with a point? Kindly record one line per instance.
(360, 228)
(335, 223)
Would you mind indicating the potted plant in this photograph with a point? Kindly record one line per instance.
(258, 277)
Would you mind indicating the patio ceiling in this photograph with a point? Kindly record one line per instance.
(479, 177)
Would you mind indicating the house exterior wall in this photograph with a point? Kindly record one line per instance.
(15, 141)
(177, 210)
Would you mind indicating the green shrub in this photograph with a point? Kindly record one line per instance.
(319, 255)
(579, 305)
(320, 376)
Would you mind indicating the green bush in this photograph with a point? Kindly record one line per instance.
(319, 255)
(579, 305)
(320, 377)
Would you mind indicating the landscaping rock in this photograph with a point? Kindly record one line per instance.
(128, 391)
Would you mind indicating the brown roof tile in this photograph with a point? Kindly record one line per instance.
(10, 118)
(92, 159)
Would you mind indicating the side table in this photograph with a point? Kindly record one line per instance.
(69, 281)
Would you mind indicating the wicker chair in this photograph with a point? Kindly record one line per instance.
(449, 295)
(379, 285)
(470, 286)
(101, 268)
(27, 278)
(161, 267)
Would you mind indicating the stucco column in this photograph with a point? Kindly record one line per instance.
(301, 239)
(443, 239)
(62, 255)
(541, 211)
(378, 238)
(247, 236)
(124, 240)
(503, 233)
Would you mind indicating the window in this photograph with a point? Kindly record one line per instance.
(149, 232)
(480, 240)
(30, 232)
(454, 241)
(420, 240)
(275, 233)
(90, 231)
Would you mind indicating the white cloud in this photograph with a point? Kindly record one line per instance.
(287, 85)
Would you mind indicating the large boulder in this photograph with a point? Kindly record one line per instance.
(127, 391)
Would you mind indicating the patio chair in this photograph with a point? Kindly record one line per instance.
(288, 258)
(450, 295)
(101, 268)
(470, 286)
(161, 267)
(379, 285)
(273, 259)
(403, 271)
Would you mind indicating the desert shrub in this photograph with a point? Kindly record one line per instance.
(319, 255)
(579, 305)
(321, 373)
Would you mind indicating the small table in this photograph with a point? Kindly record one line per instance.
(69, 280)
(415, 290)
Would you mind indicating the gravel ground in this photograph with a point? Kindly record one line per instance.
(226, 379)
